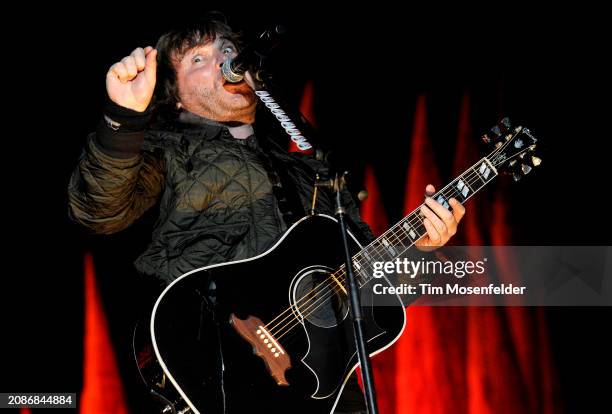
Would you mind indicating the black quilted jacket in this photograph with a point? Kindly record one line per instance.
(216, 193)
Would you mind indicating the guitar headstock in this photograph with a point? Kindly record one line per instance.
(514, 149)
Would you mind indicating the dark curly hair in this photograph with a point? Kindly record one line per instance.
(175, 43)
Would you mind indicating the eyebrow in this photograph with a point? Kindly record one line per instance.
(191, 53)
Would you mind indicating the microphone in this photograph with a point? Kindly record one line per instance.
(233, 69)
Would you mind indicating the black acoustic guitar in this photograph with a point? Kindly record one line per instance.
(272, 334)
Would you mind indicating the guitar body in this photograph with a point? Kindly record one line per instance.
(201, 322)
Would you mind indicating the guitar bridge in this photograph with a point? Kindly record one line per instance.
(264, 345)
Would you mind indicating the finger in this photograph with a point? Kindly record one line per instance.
(432, 232)
(443, 213)
(458, 209)
(151, 66)
(248, 78)
(139, 57)
(430, 190)
(130, 65)
(435, 220)
(148, 49)
(119, 71)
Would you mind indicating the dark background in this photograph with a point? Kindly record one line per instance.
(545, 69)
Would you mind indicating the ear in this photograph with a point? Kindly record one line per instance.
(179, 105)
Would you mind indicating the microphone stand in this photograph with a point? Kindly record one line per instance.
(266, 88)
(353, 289)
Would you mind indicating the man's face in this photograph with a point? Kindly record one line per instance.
(202, 89)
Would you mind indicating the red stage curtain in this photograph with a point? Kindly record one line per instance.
(102, 389)
(463, 360)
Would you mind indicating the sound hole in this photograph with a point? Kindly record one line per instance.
(319, 299)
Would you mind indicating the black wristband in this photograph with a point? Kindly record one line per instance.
(119, 118)
(120, 133)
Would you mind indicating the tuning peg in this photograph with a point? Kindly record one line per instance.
(516, 177)
(526, 169)
(536, 161)
(485, 138)
(505, 122)
(496, 132)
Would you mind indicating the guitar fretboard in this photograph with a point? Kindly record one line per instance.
(399, 238)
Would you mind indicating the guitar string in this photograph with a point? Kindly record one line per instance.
(341, 270)
(376, 251)
(307, 309)
(471, 174)
(302, 303)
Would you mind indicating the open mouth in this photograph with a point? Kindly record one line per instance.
(241, 87)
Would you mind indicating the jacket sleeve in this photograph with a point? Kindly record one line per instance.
(114, 182)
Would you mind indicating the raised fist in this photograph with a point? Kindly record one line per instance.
(130, 82)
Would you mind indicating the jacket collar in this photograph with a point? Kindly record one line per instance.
(241, 131)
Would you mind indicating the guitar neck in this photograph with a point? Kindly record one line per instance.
(399, 238)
